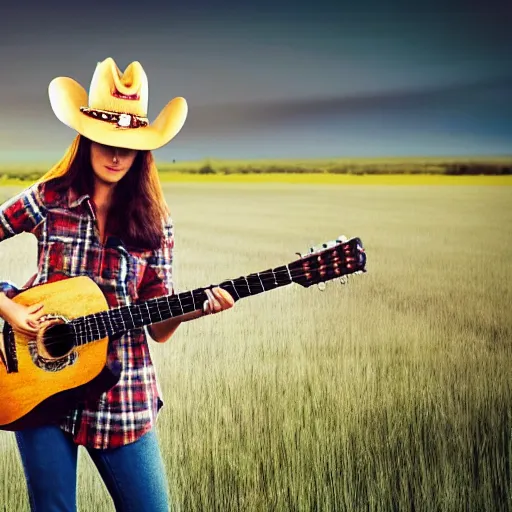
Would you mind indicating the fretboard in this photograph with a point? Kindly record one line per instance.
(125, 318)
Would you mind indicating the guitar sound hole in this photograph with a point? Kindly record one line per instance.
(58, 340)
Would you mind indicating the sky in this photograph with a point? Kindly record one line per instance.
(273, 79)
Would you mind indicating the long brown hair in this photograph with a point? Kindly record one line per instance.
(138, 205)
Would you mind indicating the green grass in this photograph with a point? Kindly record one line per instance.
(393, 392)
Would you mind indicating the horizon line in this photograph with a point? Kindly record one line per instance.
(171, 162)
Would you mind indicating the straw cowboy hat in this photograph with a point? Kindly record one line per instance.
(115, 112)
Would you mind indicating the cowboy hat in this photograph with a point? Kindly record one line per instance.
(115, 112)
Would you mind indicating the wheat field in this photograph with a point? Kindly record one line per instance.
(390, 393)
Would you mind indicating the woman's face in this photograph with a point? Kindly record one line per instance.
(111, 164)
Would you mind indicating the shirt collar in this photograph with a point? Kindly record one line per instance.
(74, 200)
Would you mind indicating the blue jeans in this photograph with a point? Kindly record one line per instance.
(134, 474)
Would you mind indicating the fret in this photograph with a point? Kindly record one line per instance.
(84, 332)
(248, 285)
(168, 304)
(152, 308)
(158, 310)
(81, 335)
(187, 301)
(91, 328)
(118, 317)
(167, 307)
(175, 306)
(88, 330)
(199, 297)
(122, 319)
(256, 283)
(95, 328)
(131, 312)
(193, 300)
(270, 280)
(181, 305)
(127, 310)
(113, 321)
(98, 326)
(261, 282)
(105, 318)
(103, 331)
(235, 290)
(289, 273)
(283, 275)
(146, 304)
(78, 330)
(141, 317)
(238, 287)
(243, 283)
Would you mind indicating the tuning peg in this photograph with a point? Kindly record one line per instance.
(321, 286)
(327, 245)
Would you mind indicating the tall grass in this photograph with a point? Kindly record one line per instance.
(392, 392)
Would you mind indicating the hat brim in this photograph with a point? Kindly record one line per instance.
(67, 96)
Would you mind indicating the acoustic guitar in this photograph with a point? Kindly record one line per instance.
(43, 378)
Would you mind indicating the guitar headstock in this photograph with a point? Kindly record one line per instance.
(334, 259)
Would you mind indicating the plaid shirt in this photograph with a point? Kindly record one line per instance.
(68, 241)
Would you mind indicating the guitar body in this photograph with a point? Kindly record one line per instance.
(37, 387)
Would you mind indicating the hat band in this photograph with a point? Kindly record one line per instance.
(121, 119)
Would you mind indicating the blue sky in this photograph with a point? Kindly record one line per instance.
(273, 79)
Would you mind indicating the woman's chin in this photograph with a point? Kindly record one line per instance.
(108, 179)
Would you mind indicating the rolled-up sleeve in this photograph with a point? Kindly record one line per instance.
(158, 279)
(20, 214)
(9, 289)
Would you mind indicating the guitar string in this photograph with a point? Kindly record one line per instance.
(153, 306)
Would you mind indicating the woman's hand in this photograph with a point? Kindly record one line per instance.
(218, 300)
(23, 319)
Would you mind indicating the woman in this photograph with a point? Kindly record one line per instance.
(100, 212)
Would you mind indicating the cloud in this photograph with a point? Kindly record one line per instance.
(222, 119)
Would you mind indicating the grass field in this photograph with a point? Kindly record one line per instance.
(316, 179)
(390, 393)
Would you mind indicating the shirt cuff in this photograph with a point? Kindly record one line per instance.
(10, 289)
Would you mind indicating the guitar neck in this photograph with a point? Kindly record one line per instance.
(125, 318)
